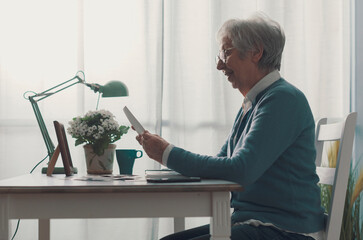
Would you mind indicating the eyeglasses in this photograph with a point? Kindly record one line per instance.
(222, 55)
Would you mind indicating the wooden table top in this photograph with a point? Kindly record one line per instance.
(40, 183)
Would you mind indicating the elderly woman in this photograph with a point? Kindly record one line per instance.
(270, 150)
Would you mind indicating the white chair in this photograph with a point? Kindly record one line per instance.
(336, 177)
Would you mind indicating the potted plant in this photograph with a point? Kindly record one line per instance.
(98, 130)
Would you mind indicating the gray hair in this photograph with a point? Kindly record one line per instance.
(255, 32)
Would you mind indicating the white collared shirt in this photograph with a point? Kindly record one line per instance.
(261, 85)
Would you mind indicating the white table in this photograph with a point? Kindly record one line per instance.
(43, 198)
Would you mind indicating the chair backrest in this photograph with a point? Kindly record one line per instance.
(336, 177)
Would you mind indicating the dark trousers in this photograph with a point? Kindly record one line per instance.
(239, 232)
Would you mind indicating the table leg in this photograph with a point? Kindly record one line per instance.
(44, 229)
(220, 226)
(4, 218)
(179, 224)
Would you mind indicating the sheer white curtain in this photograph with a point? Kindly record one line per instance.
(163, 50)
(44, 43)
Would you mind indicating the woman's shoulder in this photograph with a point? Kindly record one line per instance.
(283, 98)
(282, 89)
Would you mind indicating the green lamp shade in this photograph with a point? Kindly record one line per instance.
(114, 89)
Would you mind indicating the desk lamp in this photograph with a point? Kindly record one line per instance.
(110, 89)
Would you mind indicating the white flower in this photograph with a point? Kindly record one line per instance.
(101, 129)
(97, 135)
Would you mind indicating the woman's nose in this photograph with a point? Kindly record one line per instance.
(220, 65)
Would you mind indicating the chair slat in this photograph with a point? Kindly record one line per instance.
(326, 175)
(330, 132)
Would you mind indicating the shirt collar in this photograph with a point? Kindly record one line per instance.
(261, 85)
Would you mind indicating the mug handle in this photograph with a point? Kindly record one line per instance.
(139, 151)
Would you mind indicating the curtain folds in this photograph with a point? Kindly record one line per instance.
(164, 51)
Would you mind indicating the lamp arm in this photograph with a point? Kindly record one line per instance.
(40, 96)
(43, 129)
(47, 92)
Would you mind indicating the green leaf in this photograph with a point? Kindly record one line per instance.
(124, 129)
(79, 141)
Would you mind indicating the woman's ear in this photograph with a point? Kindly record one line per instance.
(257, 54)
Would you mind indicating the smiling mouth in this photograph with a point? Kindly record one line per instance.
(228, 74)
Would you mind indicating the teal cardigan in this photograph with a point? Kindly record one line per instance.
(274, 160)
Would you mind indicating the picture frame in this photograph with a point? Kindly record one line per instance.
(63, 149)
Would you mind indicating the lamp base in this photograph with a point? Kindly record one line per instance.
(58, 170)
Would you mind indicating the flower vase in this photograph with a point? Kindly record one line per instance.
(102, 164)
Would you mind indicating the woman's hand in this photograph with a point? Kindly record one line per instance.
(153, 145)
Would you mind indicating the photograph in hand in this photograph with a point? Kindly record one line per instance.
(134, 122)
